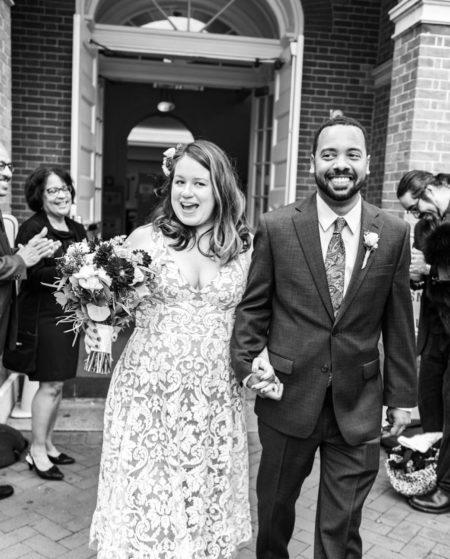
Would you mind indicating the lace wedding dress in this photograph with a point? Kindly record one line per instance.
(174, 469)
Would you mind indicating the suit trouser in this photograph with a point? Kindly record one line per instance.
(434, 399)
(347, 474)
(433, 364)
(443, 466)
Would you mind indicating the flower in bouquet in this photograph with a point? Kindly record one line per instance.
(102, 282)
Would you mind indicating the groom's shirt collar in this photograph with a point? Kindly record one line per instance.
(327, 216)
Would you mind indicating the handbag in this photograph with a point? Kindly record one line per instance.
(22, 359)
(410, 472)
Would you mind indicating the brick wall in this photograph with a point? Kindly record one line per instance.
(41, 88)
(419, 119)
(5, 84)
(380, 114)
(337, 71)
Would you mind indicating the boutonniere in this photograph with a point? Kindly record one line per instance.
(370, 244)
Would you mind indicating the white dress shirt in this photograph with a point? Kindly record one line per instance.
(350, 233)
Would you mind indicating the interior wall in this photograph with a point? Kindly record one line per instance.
(222, 116)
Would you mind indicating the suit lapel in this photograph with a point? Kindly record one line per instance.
(370, 221)
(307, 228)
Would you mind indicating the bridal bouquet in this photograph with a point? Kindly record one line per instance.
(102, 282)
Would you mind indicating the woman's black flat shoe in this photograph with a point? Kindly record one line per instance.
(61, 459)
(53, 473)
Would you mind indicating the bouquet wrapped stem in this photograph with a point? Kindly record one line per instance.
(99, 361)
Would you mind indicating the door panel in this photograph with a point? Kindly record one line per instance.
(274, 138)
(85, 90)
(286, 119)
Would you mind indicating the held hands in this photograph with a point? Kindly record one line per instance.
(37, 248)
(264, 381)
(398, 420)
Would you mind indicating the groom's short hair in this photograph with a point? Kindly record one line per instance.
(339, 120)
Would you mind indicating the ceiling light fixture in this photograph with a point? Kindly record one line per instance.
(166, 103)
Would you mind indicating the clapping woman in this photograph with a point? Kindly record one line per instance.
(46, 352)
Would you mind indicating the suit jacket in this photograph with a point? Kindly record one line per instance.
(430, 324)
(287, 307)
(12, 267)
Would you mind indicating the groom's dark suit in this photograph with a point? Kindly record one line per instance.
(287, 307)
(12, 267)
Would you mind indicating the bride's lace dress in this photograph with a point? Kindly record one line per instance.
(174, 469)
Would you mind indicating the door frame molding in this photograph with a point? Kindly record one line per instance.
(181, 72)
(139, 40)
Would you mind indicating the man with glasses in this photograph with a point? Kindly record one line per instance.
(13, 267)
(428, 198)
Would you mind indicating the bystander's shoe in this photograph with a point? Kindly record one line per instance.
(6, 491)
(436, 502)
(61, 459)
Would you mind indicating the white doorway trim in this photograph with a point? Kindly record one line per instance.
(214, 46)
(184, 73)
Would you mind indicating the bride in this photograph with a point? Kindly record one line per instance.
(174, 469)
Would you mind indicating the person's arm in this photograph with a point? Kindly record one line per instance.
(254, 312)
(12, 267)
(45, 269)
(400, 375)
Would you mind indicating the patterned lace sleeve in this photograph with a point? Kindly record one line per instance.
(149, 239)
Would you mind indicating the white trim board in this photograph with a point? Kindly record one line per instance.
(180, 72)
(412, 12)
(186, 45)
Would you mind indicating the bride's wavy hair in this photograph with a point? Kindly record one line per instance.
(230, 233)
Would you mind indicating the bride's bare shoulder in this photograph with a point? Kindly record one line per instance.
(143, 237)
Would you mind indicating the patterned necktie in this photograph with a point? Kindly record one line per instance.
(335, 264)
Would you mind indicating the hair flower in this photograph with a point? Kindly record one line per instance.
(168, 155)
(370, 244)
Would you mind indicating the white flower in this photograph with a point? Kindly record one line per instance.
(138, 276)
(122, 252)
(370, 244)
(371, 240)
(88, 278)
(170, 152)
(104, 276)
(167, 160)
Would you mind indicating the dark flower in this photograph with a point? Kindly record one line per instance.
(103, 255)
(120, 271)
(146, 258)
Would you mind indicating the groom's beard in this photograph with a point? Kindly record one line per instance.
(324, 185)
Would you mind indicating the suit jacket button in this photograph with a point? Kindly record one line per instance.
(325, 368)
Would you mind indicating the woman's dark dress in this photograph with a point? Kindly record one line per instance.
(56, 356)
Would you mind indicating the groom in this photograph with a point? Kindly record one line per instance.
(328, 276)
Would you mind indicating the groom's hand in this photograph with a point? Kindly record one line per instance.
(398, 419)
(263, 380)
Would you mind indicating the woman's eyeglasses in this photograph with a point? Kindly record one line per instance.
(4, 164)
(55, 190)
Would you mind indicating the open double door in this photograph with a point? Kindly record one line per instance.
(276, 91)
